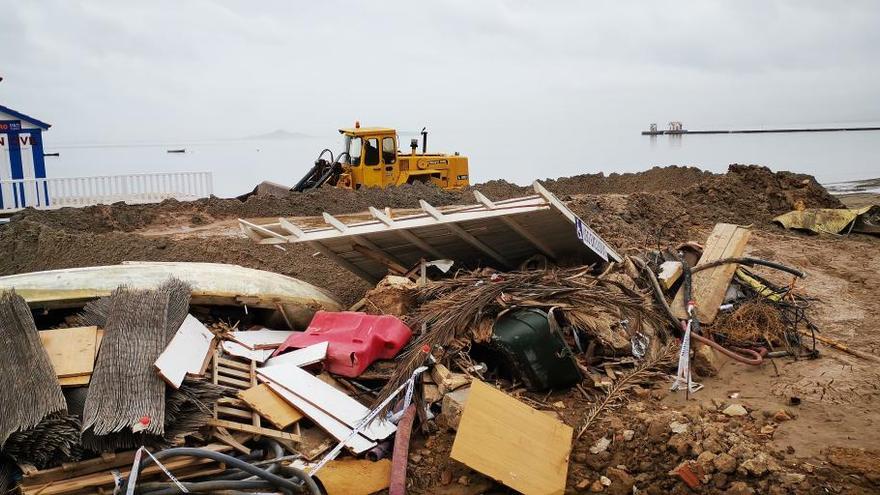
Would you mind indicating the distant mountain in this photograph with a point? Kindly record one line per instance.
(280, 134)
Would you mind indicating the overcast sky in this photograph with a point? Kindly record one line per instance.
(118, 71)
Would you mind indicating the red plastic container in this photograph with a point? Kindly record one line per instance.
(355, 340)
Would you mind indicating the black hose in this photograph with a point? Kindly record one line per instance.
(277, 481)
(658, 291)
(237, 474)
(203, 486)
(749, 262)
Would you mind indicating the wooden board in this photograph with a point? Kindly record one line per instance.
(60, 480)
(327, 398)
(71, 350)
(256, 430)
(710, 286)
(337, 429)
(355, 477)
(236, 349)
(509, 441)
(312, 354)
(260, 339)
(270, 406)
(188, 352)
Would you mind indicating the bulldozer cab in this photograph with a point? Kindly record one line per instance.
(370, 156)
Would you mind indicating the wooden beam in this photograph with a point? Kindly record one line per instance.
(381, 258)
(317, 246)
(245, 225)
(407, 235)
(710, 286)
(519, 229)
(266, 432)
(464, 235)
(291, 228)
(363, 241)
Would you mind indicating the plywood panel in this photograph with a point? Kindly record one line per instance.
(513, 443)
(188, 352)
(71, 350)
(270, 406)
(355, 477)
(709, 286)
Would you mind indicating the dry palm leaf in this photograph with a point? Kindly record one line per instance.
(462, 306)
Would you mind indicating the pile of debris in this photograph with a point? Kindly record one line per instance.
(174, 378)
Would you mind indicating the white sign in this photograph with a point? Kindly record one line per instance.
(589, 238)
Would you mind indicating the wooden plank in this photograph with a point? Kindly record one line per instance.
(234, 412)
(72, 351)
(236, 365)
(327, 398)
(312, 354)
(464, 235)
(338, 430)
(513, 443)
(186, 353)
(74, 469)
(255, 417)
(407, 235)
(355, 476)
(256, 430)
(519, 229)
(270, 406)
(236, 349)
(224, 436)
(710, 286)
(61, 481)
(260, 339)
(244, 375)
(233, 382)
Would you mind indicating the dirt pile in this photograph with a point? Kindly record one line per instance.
(753, 194)
(128, 218)
(105, 234)
(745, 194)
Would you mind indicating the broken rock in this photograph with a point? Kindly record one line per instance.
(724, 463)
(601, 445)
(735, 410)
(621, 481)
(706, 361)
(452, 406)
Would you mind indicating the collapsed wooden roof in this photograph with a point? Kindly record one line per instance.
(502, 234)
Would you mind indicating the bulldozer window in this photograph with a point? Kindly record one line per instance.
(353, 146)
(389, 151)
(371, 153)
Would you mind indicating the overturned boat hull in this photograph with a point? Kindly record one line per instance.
(212, 283)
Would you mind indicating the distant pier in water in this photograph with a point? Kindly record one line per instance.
(675, 128)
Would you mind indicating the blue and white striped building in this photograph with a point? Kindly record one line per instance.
(21, 157)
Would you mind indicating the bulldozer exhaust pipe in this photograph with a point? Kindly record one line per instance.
(424, 140)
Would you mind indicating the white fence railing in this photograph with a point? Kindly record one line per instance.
(84, 191)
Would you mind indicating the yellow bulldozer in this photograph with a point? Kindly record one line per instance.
(370, 158)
